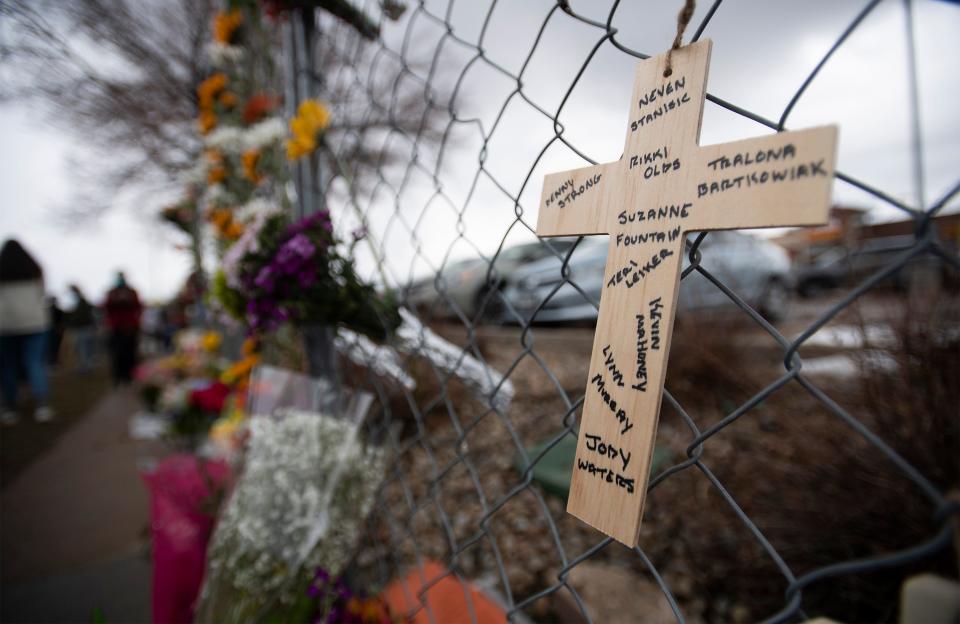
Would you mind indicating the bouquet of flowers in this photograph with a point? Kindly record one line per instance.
(303, 471)
(195, 386)
(293, 272)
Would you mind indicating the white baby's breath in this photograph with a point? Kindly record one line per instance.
(299, 467)
(265, 133)
(228, 139)
(221, 54)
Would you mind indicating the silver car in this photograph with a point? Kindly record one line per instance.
(755, 269)
(472, 287)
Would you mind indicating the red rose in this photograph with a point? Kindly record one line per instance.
(258, 106)
(211, 398)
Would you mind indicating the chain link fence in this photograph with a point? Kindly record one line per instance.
(739, 476)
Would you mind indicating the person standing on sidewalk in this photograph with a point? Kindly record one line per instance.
(82, 324)
(55, 332)
(123, 310)
(24, 324)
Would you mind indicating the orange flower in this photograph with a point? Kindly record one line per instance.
(209, 89)
(219, 217)
(207, 122)
(228, 99)
(354, 606)
(250, 158)
(233, 231)
(216, 175)
(225, 25)
(214, 156)
(250, 346)
(373, 611)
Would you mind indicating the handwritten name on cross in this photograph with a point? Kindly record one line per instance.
(663, 186)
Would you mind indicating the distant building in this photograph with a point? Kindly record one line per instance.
(847, 228)
(844, 228)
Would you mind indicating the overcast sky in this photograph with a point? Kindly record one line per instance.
(762, 52)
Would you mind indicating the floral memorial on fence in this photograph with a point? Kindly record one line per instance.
(272, 488)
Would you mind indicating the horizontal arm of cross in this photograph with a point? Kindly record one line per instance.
(573, 202)
(772, 181)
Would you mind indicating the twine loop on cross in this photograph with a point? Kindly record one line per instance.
(683, 18)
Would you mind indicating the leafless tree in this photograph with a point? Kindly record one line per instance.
(120, 76)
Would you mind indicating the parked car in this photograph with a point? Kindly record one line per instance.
(841, 266)
(467, 283)
(757, 270)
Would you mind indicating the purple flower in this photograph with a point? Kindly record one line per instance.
(299, 246)
(265, 278)
(307, 278)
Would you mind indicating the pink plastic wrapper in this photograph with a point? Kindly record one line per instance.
(181, 520)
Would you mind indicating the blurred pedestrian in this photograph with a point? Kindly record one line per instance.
(123, 310)
(55, 333)
(24, 324)
(166, 331)
(82, 324)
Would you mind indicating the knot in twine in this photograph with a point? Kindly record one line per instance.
(683, 18)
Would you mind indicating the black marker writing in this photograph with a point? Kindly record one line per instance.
(656, 314)
(596, 443)
(611, 403)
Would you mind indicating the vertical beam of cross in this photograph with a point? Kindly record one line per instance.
(663, 186)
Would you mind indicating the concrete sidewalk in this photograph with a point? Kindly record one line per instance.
(73, 526)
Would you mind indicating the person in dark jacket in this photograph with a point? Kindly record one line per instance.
(82, 324)
(24, 325)
(123, 310)
(58, 321)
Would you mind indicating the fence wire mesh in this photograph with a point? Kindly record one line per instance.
(461, 487)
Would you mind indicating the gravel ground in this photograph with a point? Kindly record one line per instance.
(788, 464)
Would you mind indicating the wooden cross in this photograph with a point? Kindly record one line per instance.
(663, 186)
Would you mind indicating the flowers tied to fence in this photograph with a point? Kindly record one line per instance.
(280, 272)
(311, 120)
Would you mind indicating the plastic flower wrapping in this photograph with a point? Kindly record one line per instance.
(299, 505)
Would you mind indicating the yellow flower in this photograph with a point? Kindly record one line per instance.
(239, 370)
(314, 113)
(312, 118)
(224, 25)
(207, 122)
(226, 427)
(250, 158)
(297, 147)
(211, 341)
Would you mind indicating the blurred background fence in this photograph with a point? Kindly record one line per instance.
(801, 469)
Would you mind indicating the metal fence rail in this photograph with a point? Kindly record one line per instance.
(417, 499)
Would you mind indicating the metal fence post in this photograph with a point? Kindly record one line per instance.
(301, 36)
